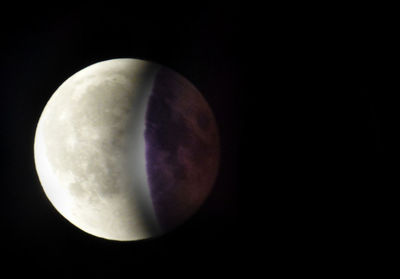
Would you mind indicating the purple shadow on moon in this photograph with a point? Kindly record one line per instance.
(182, 148)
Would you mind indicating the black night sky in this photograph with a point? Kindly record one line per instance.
(308, 135)
(41, 48)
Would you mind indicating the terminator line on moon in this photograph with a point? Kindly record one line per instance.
(126, 149)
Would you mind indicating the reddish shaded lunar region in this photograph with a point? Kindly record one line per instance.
(182, 148)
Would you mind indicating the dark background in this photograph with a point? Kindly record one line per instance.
(41, 47)
(306, 104)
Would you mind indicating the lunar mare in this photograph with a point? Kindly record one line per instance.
(97, 150)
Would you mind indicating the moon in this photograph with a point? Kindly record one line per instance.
(126, 149)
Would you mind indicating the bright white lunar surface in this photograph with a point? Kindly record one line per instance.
(126, 149)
